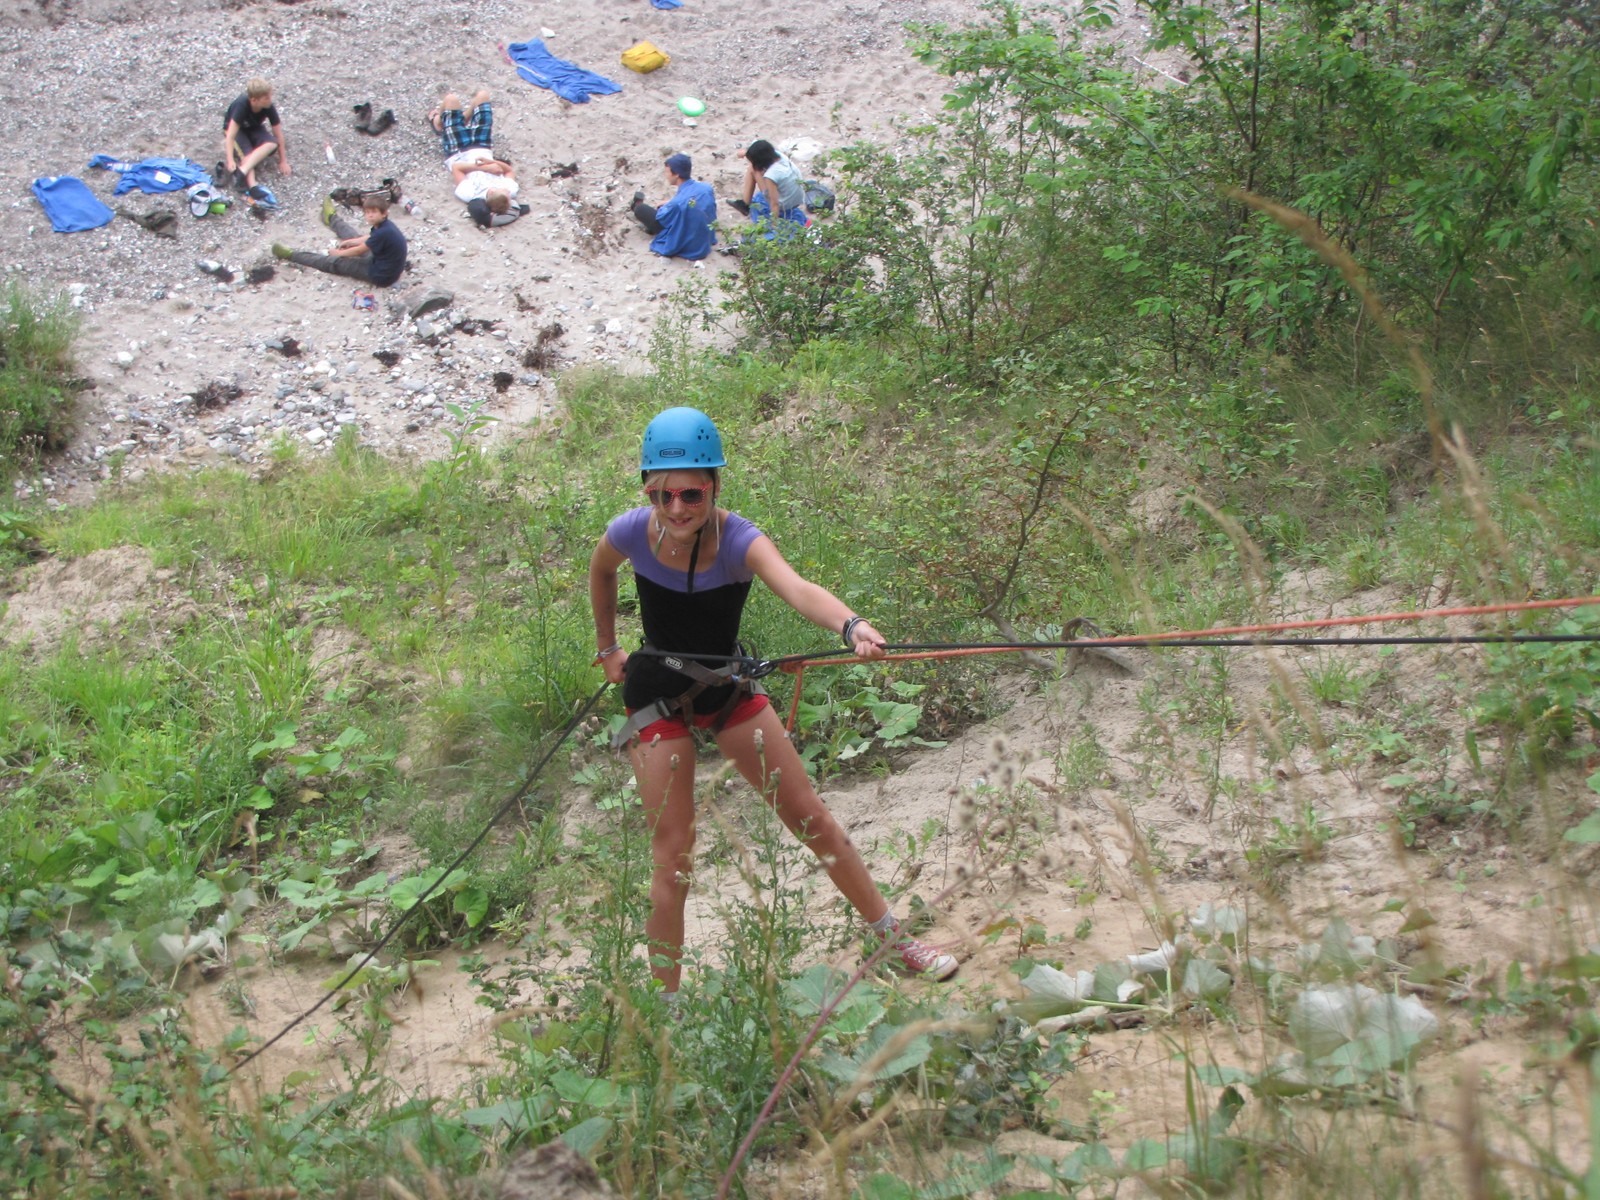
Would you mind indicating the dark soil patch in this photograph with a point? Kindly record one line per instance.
(543, 354)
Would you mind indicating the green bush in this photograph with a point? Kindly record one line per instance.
(36, 339)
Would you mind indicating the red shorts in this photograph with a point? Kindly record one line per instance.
(673, 727)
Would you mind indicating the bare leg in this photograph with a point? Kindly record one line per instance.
(254, 159)
(800, 808)
(478, 97)
(751, 182)
(665, 774)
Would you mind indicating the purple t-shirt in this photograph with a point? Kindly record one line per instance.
(704, 620)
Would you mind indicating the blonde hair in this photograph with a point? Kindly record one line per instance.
(499, 202)
(257, 88)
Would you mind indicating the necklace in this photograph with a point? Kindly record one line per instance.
(661, 536)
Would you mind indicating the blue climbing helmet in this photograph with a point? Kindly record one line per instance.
(681, 439)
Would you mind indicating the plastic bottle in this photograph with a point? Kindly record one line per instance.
(411, 206)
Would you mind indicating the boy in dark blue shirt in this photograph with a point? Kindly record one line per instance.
(377, 256)
(252, 131)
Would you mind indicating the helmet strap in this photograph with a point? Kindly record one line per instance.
(694, 557)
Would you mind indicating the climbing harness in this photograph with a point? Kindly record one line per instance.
(736, 670)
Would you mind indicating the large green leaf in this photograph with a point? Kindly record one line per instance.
(821, 984)
(517, 1116)
(585, 1136)
(865, 1063)
(575, 1088)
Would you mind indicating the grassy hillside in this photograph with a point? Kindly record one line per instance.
(246, 721)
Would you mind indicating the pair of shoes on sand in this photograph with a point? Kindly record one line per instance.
(374, 125)
(222, 177)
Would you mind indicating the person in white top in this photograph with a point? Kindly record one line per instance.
(486, 185)
(773, 189)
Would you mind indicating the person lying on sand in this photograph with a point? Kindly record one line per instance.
(377, 256)
(682, 226)
(251, 133)
(487, 186)
(460, 129)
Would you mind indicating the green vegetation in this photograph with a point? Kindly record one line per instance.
(36, 385)
(1044, 364)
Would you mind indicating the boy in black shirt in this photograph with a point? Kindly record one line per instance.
(251, 132)
(377, 256)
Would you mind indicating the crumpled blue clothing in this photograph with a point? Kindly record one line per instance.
(667, 3)
(790, 222)
(566, 79)
(152, 174)
(70, 205)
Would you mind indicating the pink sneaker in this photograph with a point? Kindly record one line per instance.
(918, 958)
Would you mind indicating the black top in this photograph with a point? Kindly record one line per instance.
(704, 621)
(248, 118)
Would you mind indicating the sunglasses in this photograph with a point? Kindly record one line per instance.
(691, 496)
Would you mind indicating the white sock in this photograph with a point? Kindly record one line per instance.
(884, 924)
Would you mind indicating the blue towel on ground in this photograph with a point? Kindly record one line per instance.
(566, 79)
(69, 204)
(667, 3)
(152, 174)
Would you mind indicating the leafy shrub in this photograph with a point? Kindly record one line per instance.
(36, 340)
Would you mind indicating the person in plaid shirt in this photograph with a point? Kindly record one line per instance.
(459, 129)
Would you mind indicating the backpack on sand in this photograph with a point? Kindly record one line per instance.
(819, 197)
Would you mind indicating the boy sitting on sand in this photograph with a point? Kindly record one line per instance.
(251, 132)
(377, 256)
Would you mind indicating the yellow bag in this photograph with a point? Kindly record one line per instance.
(643, 57)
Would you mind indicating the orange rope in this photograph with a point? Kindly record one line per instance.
(798, 669)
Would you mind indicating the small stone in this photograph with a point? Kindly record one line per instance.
(614, 326)
(315, 435)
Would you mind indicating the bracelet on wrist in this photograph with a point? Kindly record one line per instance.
(849, 628)
(606, 653)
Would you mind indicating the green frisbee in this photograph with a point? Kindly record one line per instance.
(690, 107)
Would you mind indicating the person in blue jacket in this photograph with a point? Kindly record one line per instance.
(681, 227)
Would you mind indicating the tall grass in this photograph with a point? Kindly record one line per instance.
(37, 333)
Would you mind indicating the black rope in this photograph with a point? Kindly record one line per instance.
(751, 667)
(504, 808)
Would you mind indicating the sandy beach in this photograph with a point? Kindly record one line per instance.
(142, 79)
